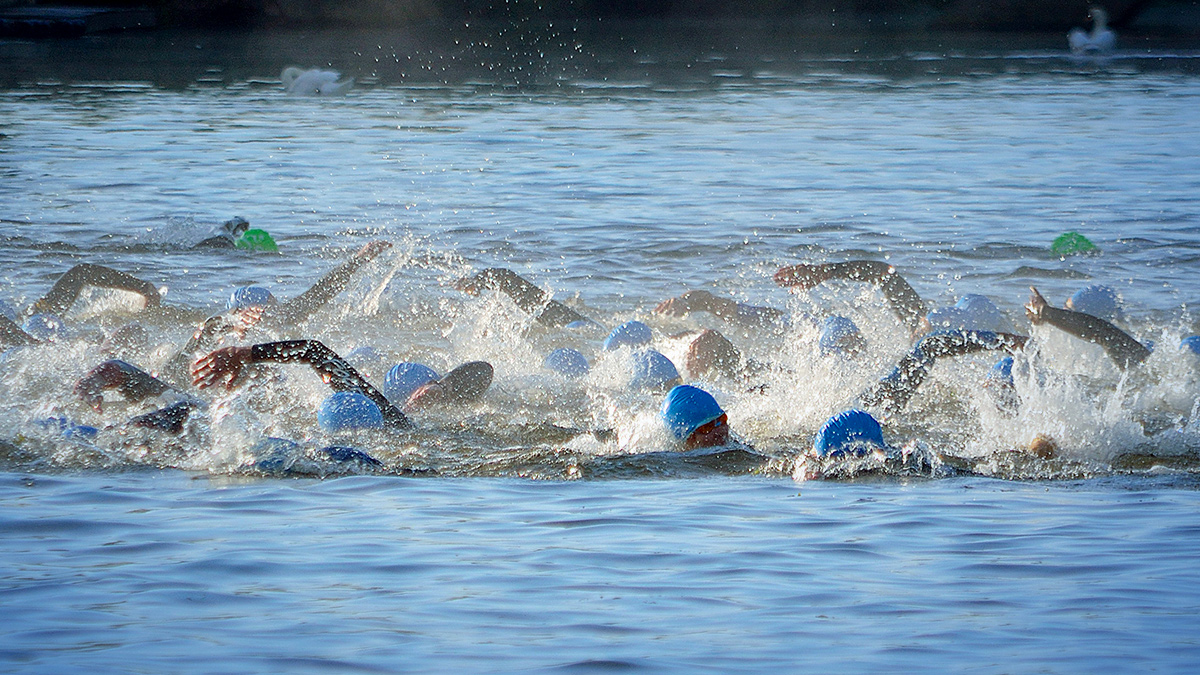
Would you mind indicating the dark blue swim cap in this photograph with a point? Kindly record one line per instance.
(347, 410)
(249, 296)
(839, 335)
(405, 378)
(1001, 372)
(1099, 301)
(567, 362)
(628, 334)
(652, 370)
(848, 431)
(688, 408)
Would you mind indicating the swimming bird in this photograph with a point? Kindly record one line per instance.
(1099, 41)
(314, 82)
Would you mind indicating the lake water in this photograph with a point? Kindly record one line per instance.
(613, 171)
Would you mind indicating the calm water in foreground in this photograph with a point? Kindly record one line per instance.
(613, 172)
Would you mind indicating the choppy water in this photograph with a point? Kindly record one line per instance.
(613, 173)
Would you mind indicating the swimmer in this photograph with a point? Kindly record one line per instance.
(694, 418)
(531, 299)
(227, 235)
(1122, 348)
(903, 300)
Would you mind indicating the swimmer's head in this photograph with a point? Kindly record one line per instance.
(652, 372)
(710, 351)
(1099, 301)
(1191, 344)
(1000, 374)
(363, 356)
(693, 416)
(839, 335)
(45, 327)
(848, 432)
(249, 296)
(971, 312)
(405, 378)
(349, 410)
(567, 362)
(236, 226)
(628, 334)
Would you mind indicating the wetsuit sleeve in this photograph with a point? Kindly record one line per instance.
(333, 370)
(894, 391)
(524, 294)
(1119, 345)
(66, 290)
(304, 305)
(12, 335)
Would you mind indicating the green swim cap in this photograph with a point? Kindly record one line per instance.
(256, 240)
(1069, 243)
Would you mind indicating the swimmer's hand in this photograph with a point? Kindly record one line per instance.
(223, 366)
(107, 375)
(1036, 306)
(692, 301)
(370, 250)
(429, 394)
(802, 277)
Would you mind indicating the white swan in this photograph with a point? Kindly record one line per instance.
(1099, 41)
(314, 82)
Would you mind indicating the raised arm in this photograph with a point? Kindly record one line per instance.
(66, 290)
(1119, 345)
(302, 306)
(226, 365)
(524, 294)
(894, 391)
(904, 301)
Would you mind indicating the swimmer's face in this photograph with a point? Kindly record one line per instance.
(709, 435)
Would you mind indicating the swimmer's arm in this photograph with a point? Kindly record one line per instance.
(66, 290)
(904, 301)
(894, 391)
(169, 419)
(12, 335)
(238, 320)
(302, 306)
(730, 310)
(130, 381)
(1119, 345)
(524, 294)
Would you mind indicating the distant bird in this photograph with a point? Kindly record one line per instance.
(1099, 41)
(314, 82)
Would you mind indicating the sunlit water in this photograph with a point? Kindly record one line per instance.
(613, 173)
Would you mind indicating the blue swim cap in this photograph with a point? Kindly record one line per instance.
(1099, 301)
(850, 430)
(1191, 342)
(45, 327)
(567, 362)
(9, 310)
(1001, 372)
(346, 410)
(405, 378)
(838, 336)
(275, 455)
(971, 312)
(249, 296)
(363, 356)
(68, 428)
(688, 408)
(628, 334)
(652, 370)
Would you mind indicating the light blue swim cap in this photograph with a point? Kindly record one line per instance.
(346, 410)
(45, 327)
(405, 378)
(1099, 301)
(848, 431)
(628, 334)
(364, 355)
(688, 408)
(652, 370)
(249, 296)
(971, 312)
(1001, 372)
(1190, 343)
(567, 362)
(838, 336)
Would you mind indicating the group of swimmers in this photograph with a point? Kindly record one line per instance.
(689, 413)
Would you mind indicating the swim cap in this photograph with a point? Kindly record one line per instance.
(249, 296)
(1191, 342)
(275, 454)
(256, 240)
(1099, 301)
(349, 410)
(688, 408)
(628, 334)
(68, 428)
(1069, 243)
(850, 430)
(8, 309)
(44, 327)
(1001, 372)
(652, 370)
(971, 312)
(364, 355)
(405, 378)
(839, 335)
(567, 362)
